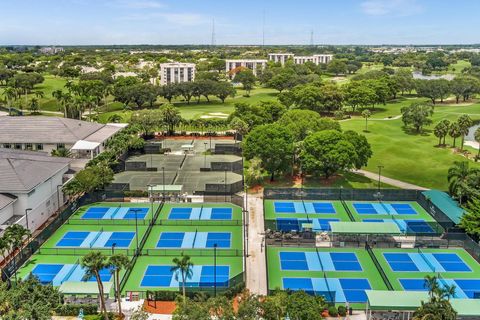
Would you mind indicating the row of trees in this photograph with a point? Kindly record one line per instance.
(457, 129)
(302, 139)
(11, 240)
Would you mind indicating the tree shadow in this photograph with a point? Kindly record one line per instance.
(412, 132)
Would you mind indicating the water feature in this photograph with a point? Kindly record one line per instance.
(470, 139)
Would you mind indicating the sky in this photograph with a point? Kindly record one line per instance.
(164, 22)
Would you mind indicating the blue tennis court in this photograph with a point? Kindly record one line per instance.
(56, 274)
(319, 261)
(407, 226)
(295, 224)
(202, 276)
(202, 213)
(282, 207)
(117, 213)
(464, 288)
(200, 240)
(338, 290)
(384, 208)
(94, 239)
(425, 262)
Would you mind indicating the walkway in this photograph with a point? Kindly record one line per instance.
(390, 181)
(256, 264)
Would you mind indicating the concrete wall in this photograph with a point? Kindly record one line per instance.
(6, 213)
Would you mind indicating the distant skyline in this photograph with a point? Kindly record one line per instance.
(175, 22)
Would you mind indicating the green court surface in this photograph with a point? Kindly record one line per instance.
(420, 212)
(164, 219)
(134, 282)
(270, 214)
(82, 210)
(368, 270)
(395, 276)
(50, 246)
(150, 247)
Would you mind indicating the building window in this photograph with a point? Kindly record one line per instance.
(7, 145)
(39, 146)
(28, 146)
(60, 146)
(18, 146)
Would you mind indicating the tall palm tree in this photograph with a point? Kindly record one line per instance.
(464, 123)
(455, 132)
(34, 106)
(16, 235)
(459, 178)
(107, 90)
(118, 262)
(184, 267)
(92, 264)
(441, 130)
(366, 114)
(10, 94)
(431, 283)
(477, 138)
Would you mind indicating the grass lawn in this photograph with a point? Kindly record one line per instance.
(408, 156)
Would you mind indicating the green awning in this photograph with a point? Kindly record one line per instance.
(395, 300)
(449, 206)
(384, 300)
(166, 188)
(365, 227)
(83, 288)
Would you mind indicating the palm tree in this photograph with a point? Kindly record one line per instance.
(11, 94)
(431, 283)
(441, 130)
(460, 177)
(118, 262)
(15, 235)
(61, 152)
(92, 264)
(366, 114)
(184, 266)
(455, 132)
(107, 90)
(115, 118)
(464, 123)
(476, 136)
(438, 306)
(34, 106)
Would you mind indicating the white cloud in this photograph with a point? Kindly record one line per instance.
(391, 7)
(139, 4)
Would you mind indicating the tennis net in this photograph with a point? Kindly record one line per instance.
(424, 257)
(330, 292)
(398, 224)
(442, 281)
(194, 238)
(96, 237)
(201, 211)
(320, 259)
(72, 270)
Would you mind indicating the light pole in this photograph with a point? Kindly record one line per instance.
(205, 158)
(163, 182)
(379, 176)
(136, 225)
(114, 281)
(225, 186)
(214, 269)
(26, 216)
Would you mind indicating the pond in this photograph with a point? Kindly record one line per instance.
(419, 75)
(471, 132)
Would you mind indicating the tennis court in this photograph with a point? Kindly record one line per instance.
(408, 226)
(297, 224)
(319, 261)
(154, 273)
(338, 290)
(194, 212)
(464, 288)
(199, 240)
(115, 213)
(102, 239)
(118, 212)
(169, 240)
(407, 268)
(304, 207)
(162, 276)
(340, 274)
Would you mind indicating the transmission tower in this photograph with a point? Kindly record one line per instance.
(213, 32)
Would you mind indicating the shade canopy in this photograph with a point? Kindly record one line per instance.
(449, 206)
(166, 188)
(83, 288)
(85, 145)
(341, 227)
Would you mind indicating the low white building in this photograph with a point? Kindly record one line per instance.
(316, 59)
(36, 133)
(280, 57)
(51, 50)
(176, 72)
(252, 64)
(30, 185)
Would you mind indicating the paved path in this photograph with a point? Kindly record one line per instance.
(256, 264)
(390, 181)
